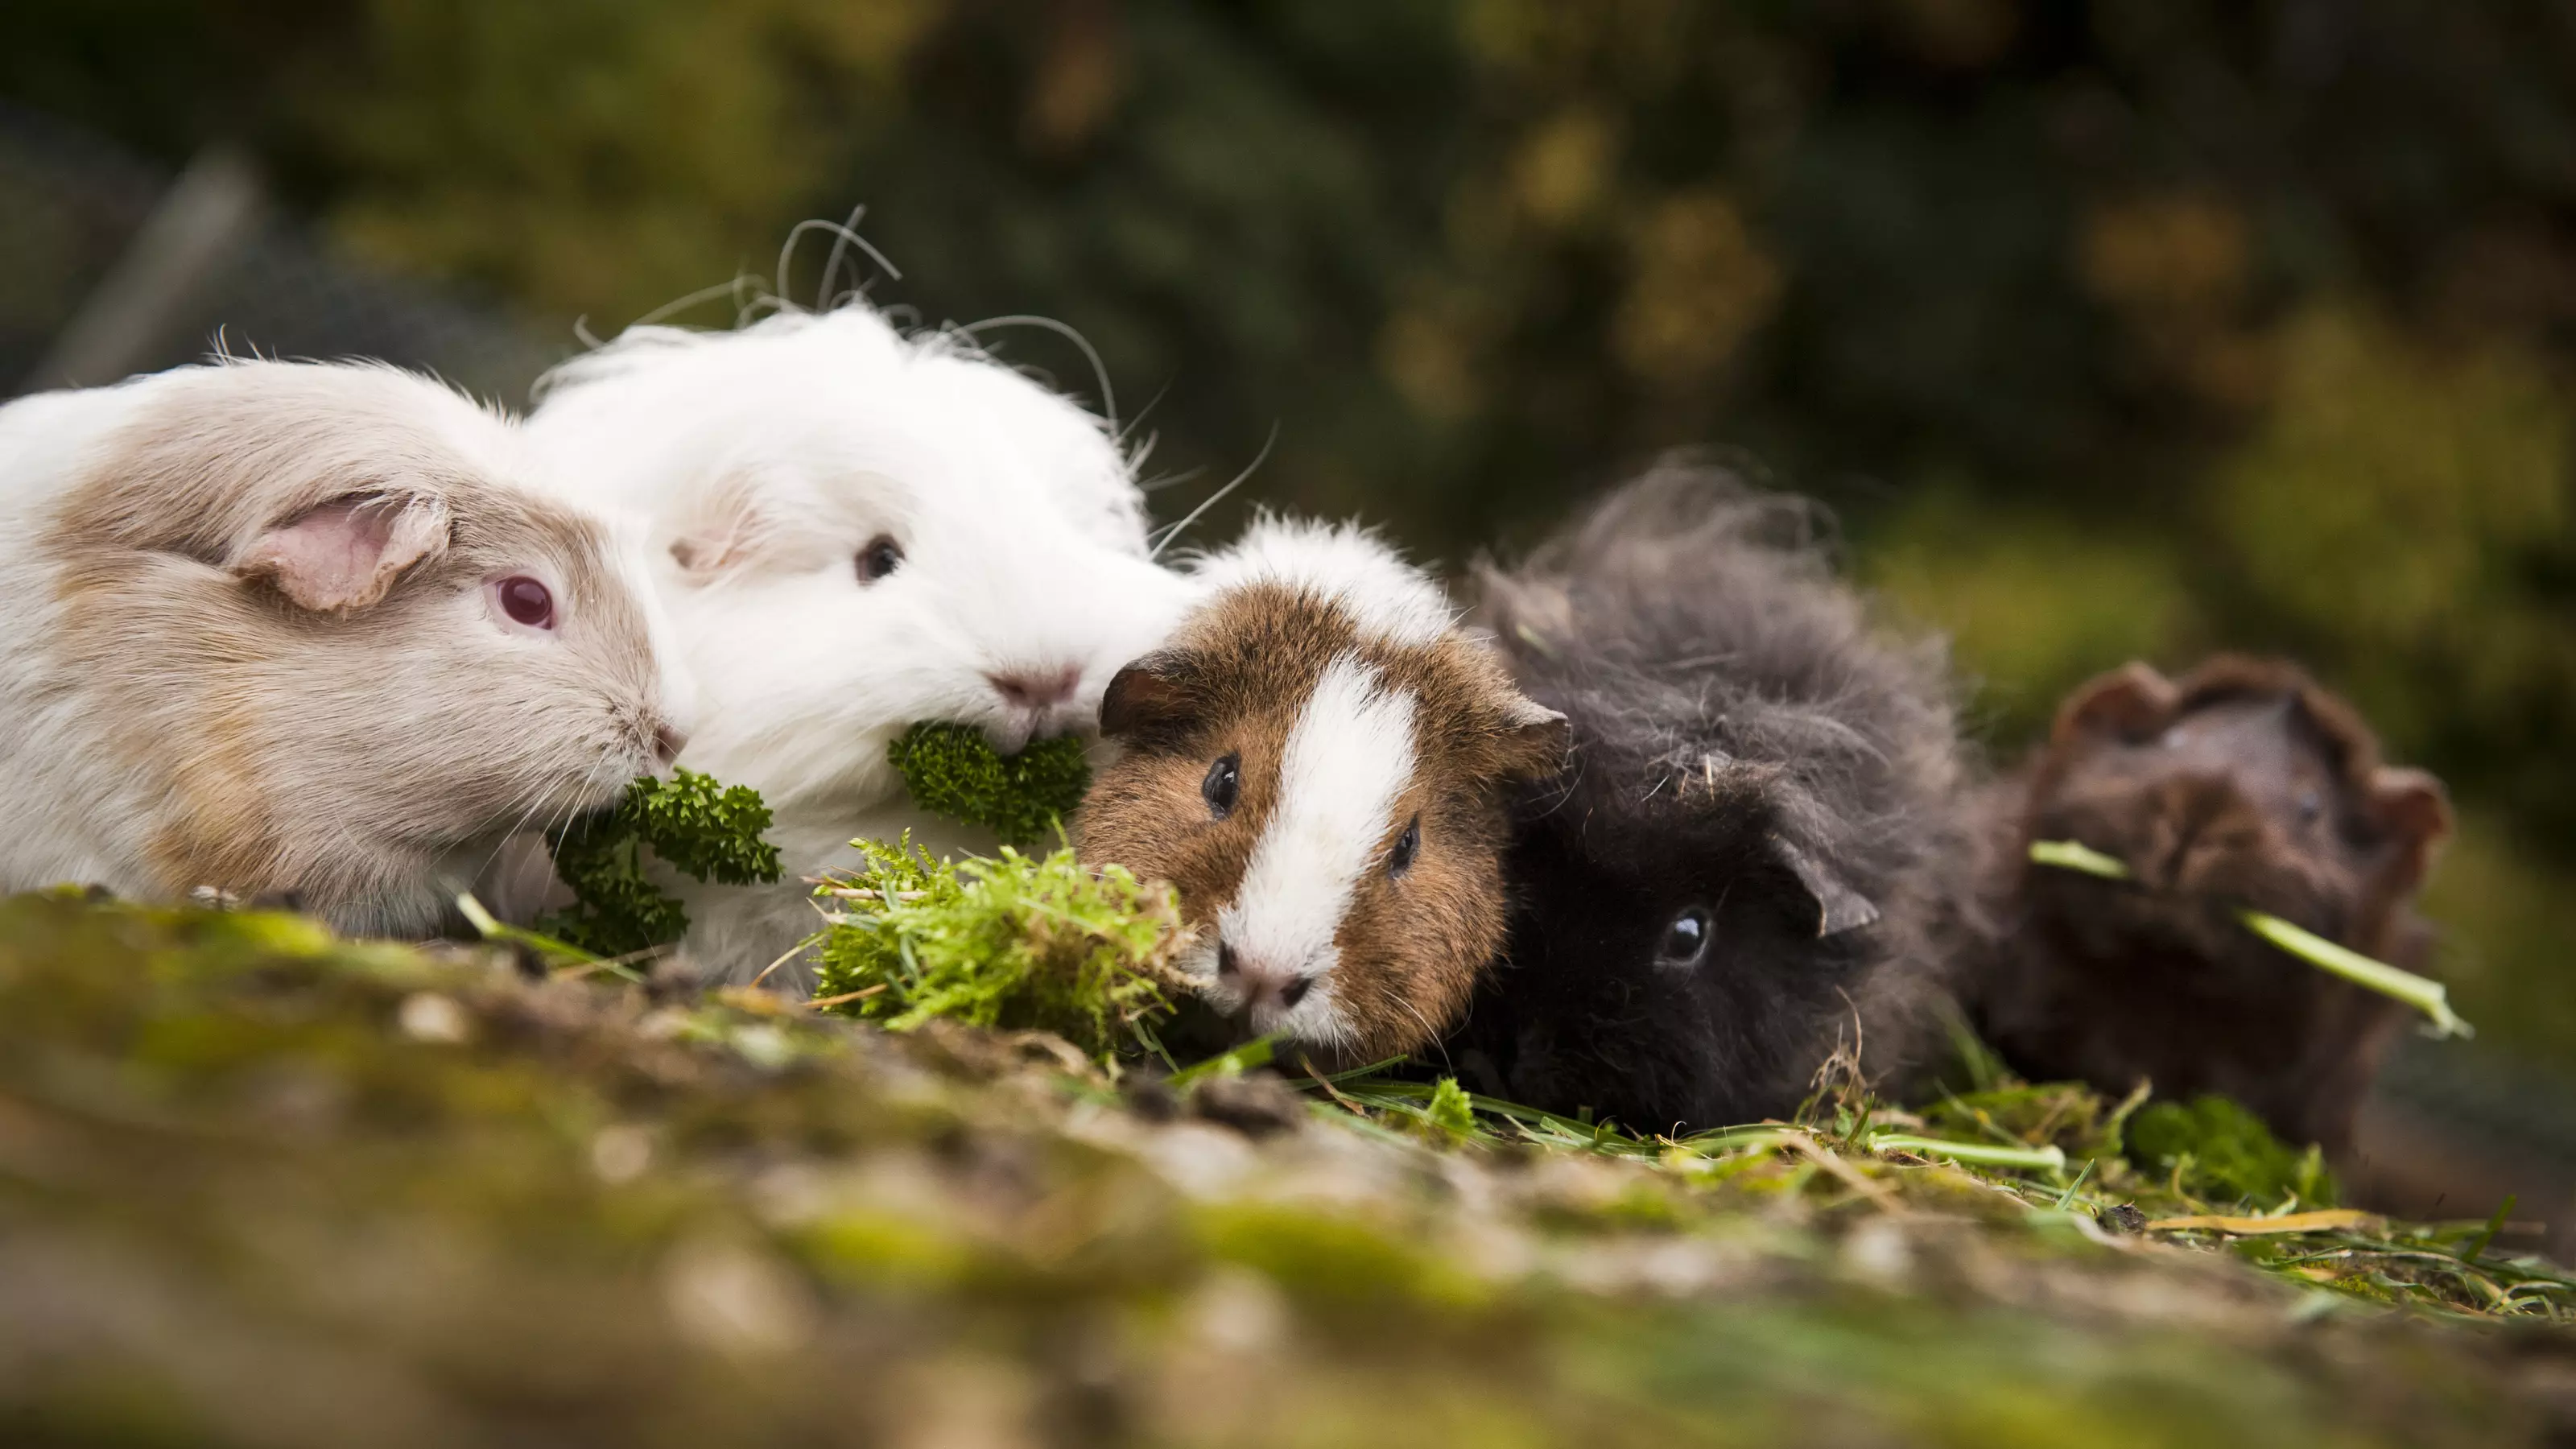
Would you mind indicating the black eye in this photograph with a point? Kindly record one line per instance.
(1407, 845)
(1223, 784)
(881, 557)
(526, 601)
(1685, 940)
(2311, 805)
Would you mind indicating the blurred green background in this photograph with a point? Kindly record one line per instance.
(2132, 328)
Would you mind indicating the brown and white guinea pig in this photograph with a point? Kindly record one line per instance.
(1739, 868)
(2241, 784)
(1318, 760)
(296, 629)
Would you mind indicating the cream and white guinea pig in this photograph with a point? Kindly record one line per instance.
(304, 629)
(856, 530)
(1319, 761)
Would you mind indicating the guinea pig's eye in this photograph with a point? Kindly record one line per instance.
(1223, 785)
(2311, 806)
(1686, 939)
(881, 557)
(1407, 845)
(526, 601)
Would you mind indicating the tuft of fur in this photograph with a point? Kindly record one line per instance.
(1309, 673)
(770, 460)
(1746, 747)
(2243, 783)
(250, 642)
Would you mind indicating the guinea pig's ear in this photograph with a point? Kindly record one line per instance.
(2131, 702)
(1535, 740)
(1153, 693)
(345, 554)
(1838, 906)
(2415, 810)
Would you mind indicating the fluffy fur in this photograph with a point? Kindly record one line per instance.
(771, 461)
(252, 640)
(1347, 881)
(2240, 784)
(1748, 753)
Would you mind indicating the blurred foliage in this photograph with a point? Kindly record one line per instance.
(2122, 327)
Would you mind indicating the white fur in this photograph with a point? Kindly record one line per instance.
(1349, 757)
(783, 450)
(1344, 563)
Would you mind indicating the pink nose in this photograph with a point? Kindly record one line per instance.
(1261, 985)
(1039, 688)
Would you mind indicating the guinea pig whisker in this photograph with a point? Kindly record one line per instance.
(1174, 532)
(1065, 330)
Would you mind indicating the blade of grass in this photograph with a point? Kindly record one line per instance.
(1983, 1154)
(2076, 855)
(1254, 1053)
(492, 928)
(2495, 1225)
(2425, 995)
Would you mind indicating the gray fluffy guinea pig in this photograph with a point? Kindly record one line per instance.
(1739, 867)
(304, 630)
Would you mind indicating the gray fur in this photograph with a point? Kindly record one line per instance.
(1744, 741)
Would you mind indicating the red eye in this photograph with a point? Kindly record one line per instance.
(527, 602)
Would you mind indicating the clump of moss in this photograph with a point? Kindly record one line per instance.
(952, 770)
(1449, 1111)
(711, 832)
(2219, 1152)
(1019, 943)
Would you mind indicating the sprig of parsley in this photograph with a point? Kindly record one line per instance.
(951, 770)
(709, 831)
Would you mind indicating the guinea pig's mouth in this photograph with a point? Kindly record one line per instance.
(1035, 702)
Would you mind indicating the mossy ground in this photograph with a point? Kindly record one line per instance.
(261, 1187)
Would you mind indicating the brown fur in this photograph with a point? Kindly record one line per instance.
(2201, 785)
(342, 744)
(1235, 681)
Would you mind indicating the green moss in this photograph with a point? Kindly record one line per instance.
(1449, 1112)
(560, 1211)
(1019, 942)
(2225, 1154)
(951, 770)
(709, 831)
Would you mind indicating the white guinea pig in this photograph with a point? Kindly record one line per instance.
(304, 629)
(857, 530)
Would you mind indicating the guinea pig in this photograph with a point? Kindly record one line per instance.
(1317, 761)
(307, 631)
(2241, 784)
(1738, 869)
(856, 530)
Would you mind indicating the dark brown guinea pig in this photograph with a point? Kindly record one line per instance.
(2241, 784)
(1738, 868)
(1318, 761)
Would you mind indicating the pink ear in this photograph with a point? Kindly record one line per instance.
(346, 553)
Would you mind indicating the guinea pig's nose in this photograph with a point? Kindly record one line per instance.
(1036, 688)
(667, 743)
(1262, 986)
